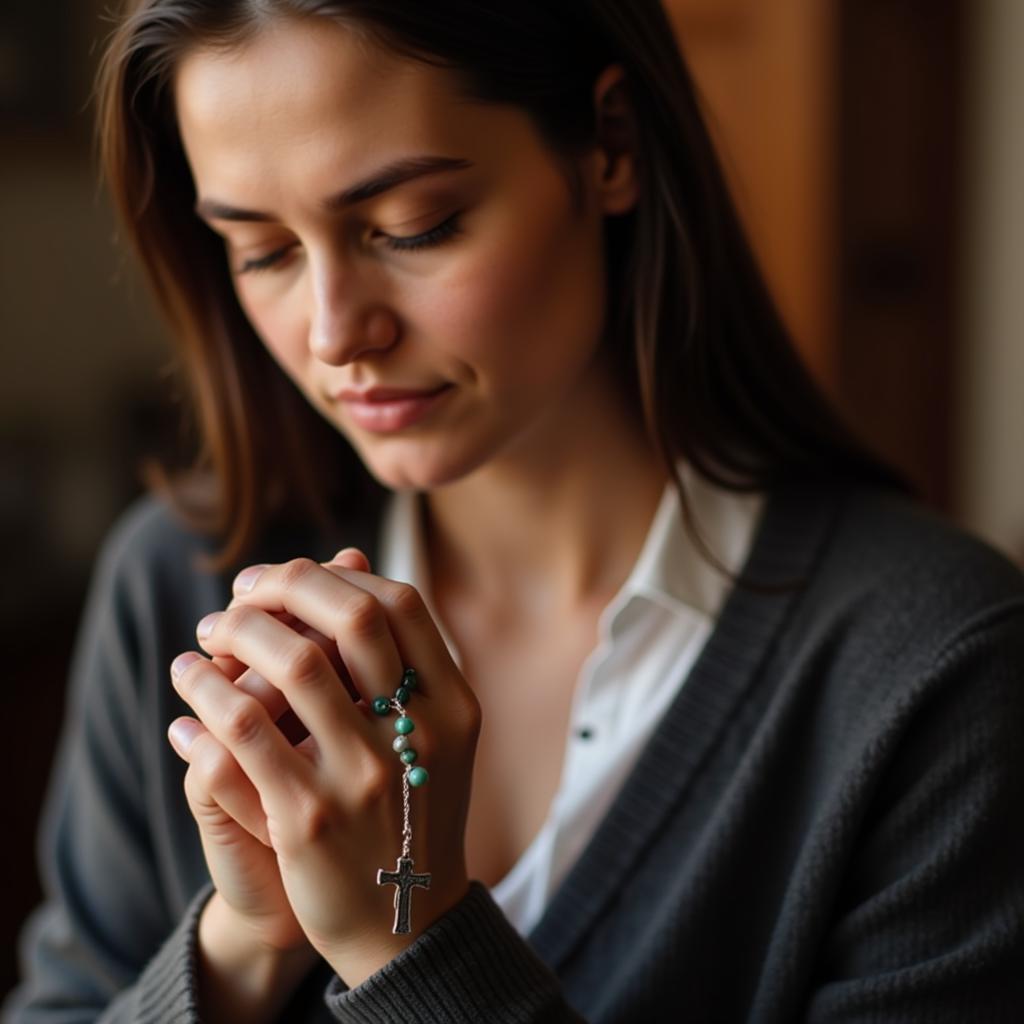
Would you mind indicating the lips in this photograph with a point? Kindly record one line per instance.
(386, 394)
(383, 410)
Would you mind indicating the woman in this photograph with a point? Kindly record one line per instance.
(715, 724)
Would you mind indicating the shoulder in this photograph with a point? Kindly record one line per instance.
(912, 535)
(900, 605)
(147, 534)
(150, 555)
(148, 589)
(907, 566)
(152, 558)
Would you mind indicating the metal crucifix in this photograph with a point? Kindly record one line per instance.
(405, 879)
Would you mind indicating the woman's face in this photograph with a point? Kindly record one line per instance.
(441, 320)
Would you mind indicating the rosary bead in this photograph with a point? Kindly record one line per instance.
(404, 725)
(417, 776)
(409, 679)
(400, 744)
(402, 694)
(408, 755)
(381, 705)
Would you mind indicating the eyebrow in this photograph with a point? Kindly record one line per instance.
(390, 176)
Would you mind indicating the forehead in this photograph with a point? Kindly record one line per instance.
(304, 92)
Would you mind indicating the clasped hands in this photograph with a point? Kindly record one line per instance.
(294, 833)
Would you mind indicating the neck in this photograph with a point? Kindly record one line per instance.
(554, 525)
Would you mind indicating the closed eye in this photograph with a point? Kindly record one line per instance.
(428, 239)
(265, 262)
(435, 236)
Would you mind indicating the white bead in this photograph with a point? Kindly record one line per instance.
(400, 743)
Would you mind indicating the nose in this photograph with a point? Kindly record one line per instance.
(346, 323)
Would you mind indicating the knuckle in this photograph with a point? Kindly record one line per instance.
(474, 715)
(195, 791)
(362, 616)
(312, 822)
(215, 771)
(405, 599)
(465, 715)
(376, 781)
(198, 794)
(234, 619)
(244, 722)
(200, 802)
(296, 570)
(306, 664)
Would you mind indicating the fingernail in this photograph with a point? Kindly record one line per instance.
(182, 733)
(182, 662)
(246, 579)
(206, 624)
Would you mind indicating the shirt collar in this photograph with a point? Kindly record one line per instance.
(671, 570)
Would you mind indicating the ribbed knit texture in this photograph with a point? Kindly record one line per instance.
(827, 825)
(166, 989)
(470, 966)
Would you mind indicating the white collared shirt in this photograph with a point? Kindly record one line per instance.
(649, 637)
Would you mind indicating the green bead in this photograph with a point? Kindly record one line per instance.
(381, 705)
(409, 679)
(408, 755)
(402, 694)
(417, 776)
(404, 725)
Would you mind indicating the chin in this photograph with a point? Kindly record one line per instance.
(419, 471)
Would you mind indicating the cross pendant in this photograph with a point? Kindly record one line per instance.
(405, 880)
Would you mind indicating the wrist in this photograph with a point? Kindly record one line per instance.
(240, 977)
(360, 959)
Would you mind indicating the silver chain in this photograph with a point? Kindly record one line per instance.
(406, 822)
(406, 808)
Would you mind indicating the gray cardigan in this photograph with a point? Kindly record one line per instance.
(828, 824)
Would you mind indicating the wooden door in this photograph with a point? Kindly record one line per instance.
(839, 126)
(765, 72)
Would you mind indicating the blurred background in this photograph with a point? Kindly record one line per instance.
(875, 147)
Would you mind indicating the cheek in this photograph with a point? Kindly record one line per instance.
(279, 326)
(512, 309)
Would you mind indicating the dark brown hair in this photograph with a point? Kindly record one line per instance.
(701, 349)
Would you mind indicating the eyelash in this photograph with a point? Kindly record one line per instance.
(435, 236)
(428, 239)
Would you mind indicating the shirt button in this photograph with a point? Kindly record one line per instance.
(584, 733)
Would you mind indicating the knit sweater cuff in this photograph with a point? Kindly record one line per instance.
(470, 965)
(167, 989)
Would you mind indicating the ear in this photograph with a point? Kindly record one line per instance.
(617, 184)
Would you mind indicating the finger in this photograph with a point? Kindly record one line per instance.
(323, 598)
(231, 667)
(252, 683)
(281, 714)
(270, 696)
(416, 635)
(249, 680)
(439, 680)
(235, 669)
(243, 729)
(295, 664)
(274, 700)
(214, 777)
(351, 558)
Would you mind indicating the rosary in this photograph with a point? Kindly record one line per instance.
(404, 878)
